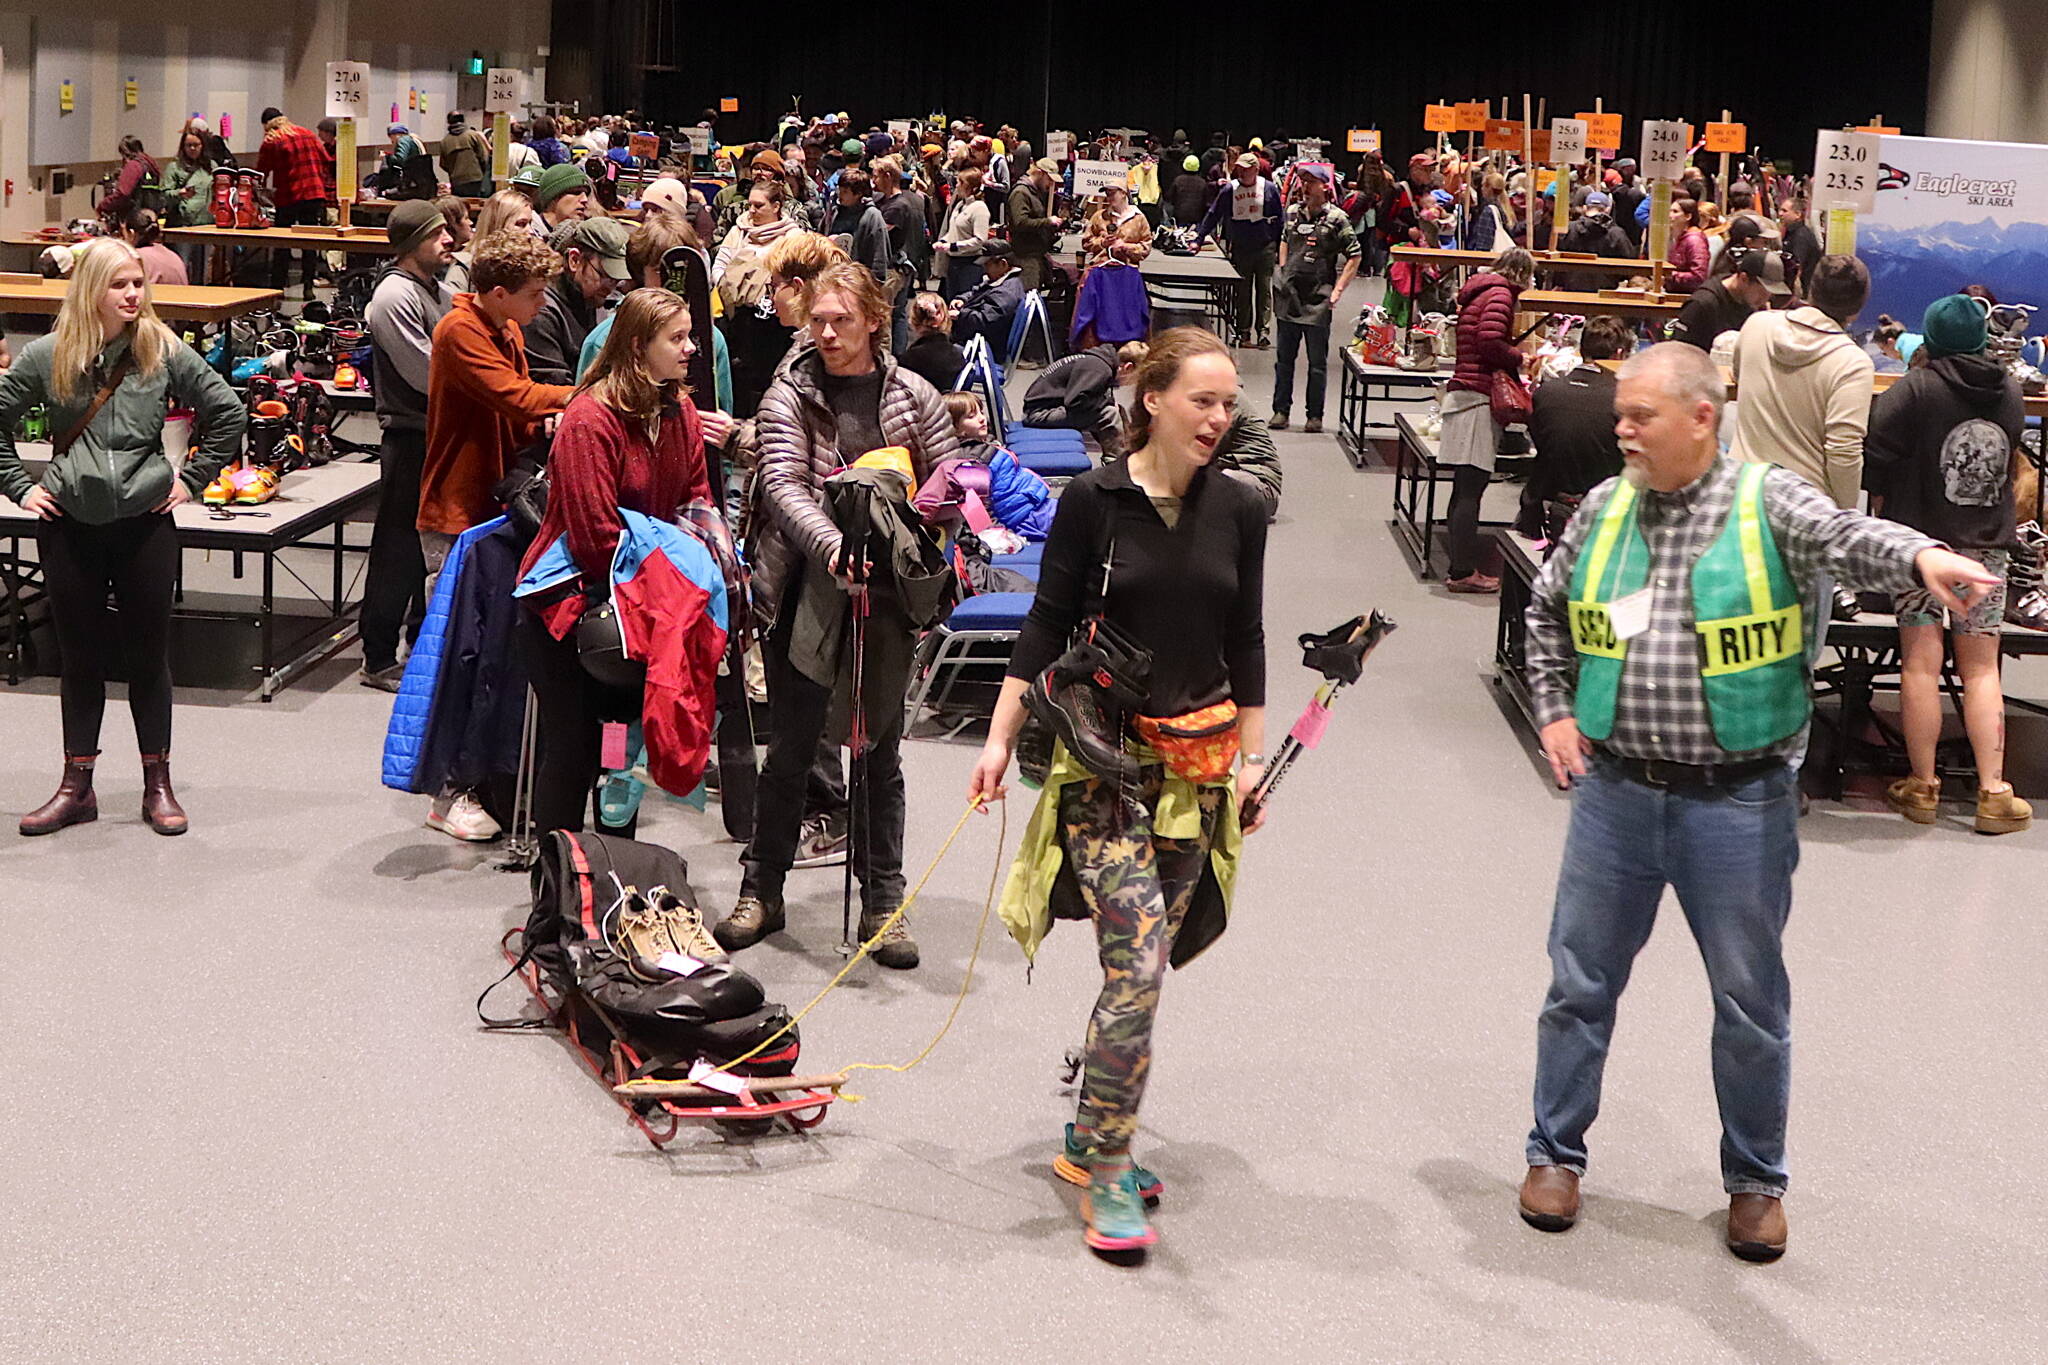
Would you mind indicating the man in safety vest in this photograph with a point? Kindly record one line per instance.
(1668, 666)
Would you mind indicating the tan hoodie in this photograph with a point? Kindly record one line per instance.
(1803, 399)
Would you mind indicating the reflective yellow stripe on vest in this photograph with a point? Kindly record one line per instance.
(1592, 628)
(1736, 644)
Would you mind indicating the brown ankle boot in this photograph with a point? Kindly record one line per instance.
(159, 804)
(74, 803)
(2001, 812)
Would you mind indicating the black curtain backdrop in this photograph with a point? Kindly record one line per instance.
(1783, 70)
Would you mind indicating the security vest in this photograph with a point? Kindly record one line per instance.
(1746, 612)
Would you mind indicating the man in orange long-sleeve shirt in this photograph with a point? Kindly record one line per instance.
(481, 405)
(481, 409)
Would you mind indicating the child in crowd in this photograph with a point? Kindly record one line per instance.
(1019, 500)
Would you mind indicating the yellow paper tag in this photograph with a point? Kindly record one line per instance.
(1841, 230)
(1660, 220)
(131, 94)
(345, 159)
(501, 147)
(67, 98)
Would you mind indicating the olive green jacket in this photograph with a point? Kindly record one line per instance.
(117, 468)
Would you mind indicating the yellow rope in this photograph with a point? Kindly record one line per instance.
(886, 925)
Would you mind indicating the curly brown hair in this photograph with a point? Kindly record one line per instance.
(509, 259)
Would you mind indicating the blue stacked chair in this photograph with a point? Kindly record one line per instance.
(1049, 452)
(980, 631)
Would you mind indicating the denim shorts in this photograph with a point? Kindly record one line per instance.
(1918, 607)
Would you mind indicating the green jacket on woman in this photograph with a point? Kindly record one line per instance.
(117, 468)
(188, 195)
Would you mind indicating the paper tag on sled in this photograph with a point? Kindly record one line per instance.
(1630, 615)
(611, 751)
(703, 1074)
(682, 964)
(1315, 719)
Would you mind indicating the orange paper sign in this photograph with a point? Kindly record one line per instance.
(1882, 129)
(1439, 118)
(1472, 116)
(729, 105)
(1603, 131)
(1728, 137)
(1540, 143)
(1503, 134)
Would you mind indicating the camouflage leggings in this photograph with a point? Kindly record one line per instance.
(1138, 888)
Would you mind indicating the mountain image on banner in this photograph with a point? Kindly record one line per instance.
(1911, 267)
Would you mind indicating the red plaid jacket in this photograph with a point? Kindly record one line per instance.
(297, 162)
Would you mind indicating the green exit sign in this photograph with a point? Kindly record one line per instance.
(476, 66)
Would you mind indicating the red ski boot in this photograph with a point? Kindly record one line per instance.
(223, 198)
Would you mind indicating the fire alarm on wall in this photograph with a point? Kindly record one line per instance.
(540, 51)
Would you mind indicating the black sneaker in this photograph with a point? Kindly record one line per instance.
(752, 919)
(822, 841)
(897, 950)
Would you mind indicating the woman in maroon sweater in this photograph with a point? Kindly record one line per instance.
(1470, 437)
(1692, 255)
(629, 439)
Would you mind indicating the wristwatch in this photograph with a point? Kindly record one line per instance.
(1254, 760)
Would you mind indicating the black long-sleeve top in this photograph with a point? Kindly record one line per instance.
(1193, 594)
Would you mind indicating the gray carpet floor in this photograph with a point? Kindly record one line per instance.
(249, 1114)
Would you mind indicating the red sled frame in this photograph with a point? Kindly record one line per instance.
(679, 1101)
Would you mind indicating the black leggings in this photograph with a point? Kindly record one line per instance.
(1468, 488)
(135, 559)
(572, 709)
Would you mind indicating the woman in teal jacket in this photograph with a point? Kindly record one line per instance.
(105, 500)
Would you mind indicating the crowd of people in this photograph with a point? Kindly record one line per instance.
(717, 369)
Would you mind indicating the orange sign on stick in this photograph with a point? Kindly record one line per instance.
(1728, 137)
(1472, 116)
(1540, 145)
(1503, 134)
(1603, 131)
(1440, 118)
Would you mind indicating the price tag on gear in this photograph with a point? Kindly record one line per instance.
(1845, 170)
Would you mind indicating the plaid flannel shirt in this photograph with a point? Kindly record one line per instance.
(298, 163)
(1661, 706)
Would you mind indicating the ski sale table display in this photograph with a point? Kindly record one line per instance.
(308, 502)
(1416, 475)
(1620, 304)
(1359, 384)
(363, 240)
(1621, 267)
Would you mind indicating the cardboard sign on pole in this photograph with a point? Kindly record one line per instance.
(1567, 140)
(1471, 116)
(1093, 177)
(348, 90)
(1362, 140)
(1845, 170)
(730, 104)
(502, 90)
(899, 128)
(1603, 131)
(1503, 134)
(1439, 118)
(1059, 144)
(1664, 144)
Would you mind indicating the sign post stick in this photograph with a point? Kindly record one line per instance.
(1530, 198)
(1721, 183)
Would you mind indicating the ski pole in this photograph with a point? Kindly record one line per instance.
(1339, 655)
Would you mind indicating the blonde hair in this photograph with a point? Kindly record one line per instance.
(857, 282)
(1170, 350)
(618, 378)
(499, 212)
(928, 313)
(81, 338)
(801, 256)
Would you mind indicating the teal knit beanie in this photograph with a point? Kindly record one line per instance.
(1953, 326)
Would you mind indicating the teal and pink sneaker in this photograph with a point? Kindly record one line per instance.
(1071, 1165)
(1114, 1213)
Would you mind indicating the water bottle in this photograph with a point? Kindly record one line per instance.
(35, 424)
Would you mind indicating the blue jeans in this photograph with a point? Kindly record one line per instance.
(1729, 853)
(1290, 335)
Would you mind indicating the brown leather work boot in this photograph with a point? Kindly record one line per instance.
(159, 804)
(74, 803)
(1756, 1227)
(1550, 1198)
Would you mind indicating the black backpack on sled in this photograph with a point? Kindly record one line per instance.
(585, 889)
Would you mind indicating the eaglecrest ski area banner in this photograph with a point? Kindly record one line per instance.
(1952, 213)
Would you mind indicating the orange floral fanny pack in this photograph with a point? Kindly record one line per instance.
(1199, 746)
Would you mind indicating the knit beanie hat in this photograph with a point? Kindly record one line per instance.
(767, 158)
(1954, 326)
(557, 181)
(411, 222)
(1189, 163)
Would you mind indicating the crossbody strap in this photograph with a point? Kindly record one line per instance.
(99, 400)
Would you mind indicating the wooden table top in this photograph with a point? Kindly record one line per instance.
(1545, 260)
(325, 240)
(1595, 305)
(174, 302)
(2036, 404)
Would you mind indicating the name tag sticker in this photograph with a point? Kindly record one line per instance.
(1630, 615)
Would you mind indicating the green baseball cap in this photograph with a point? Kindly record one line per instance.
(603, 239)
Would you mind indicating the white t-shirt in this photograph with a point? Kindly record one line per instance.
(1248, 202)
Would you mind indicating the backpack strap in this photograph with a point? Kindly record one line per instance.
(122, 368)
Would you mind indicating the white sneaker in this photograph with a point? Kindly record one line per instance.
(461, 816)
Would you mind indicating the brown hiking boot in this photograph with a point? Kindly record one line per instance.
(1756, 1227)
(897, 950)
(752, 919)
(1918, 801)
(1313, 426)
(74, 803)
(159, 804)
(2002, 812)
(1549, 1200)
